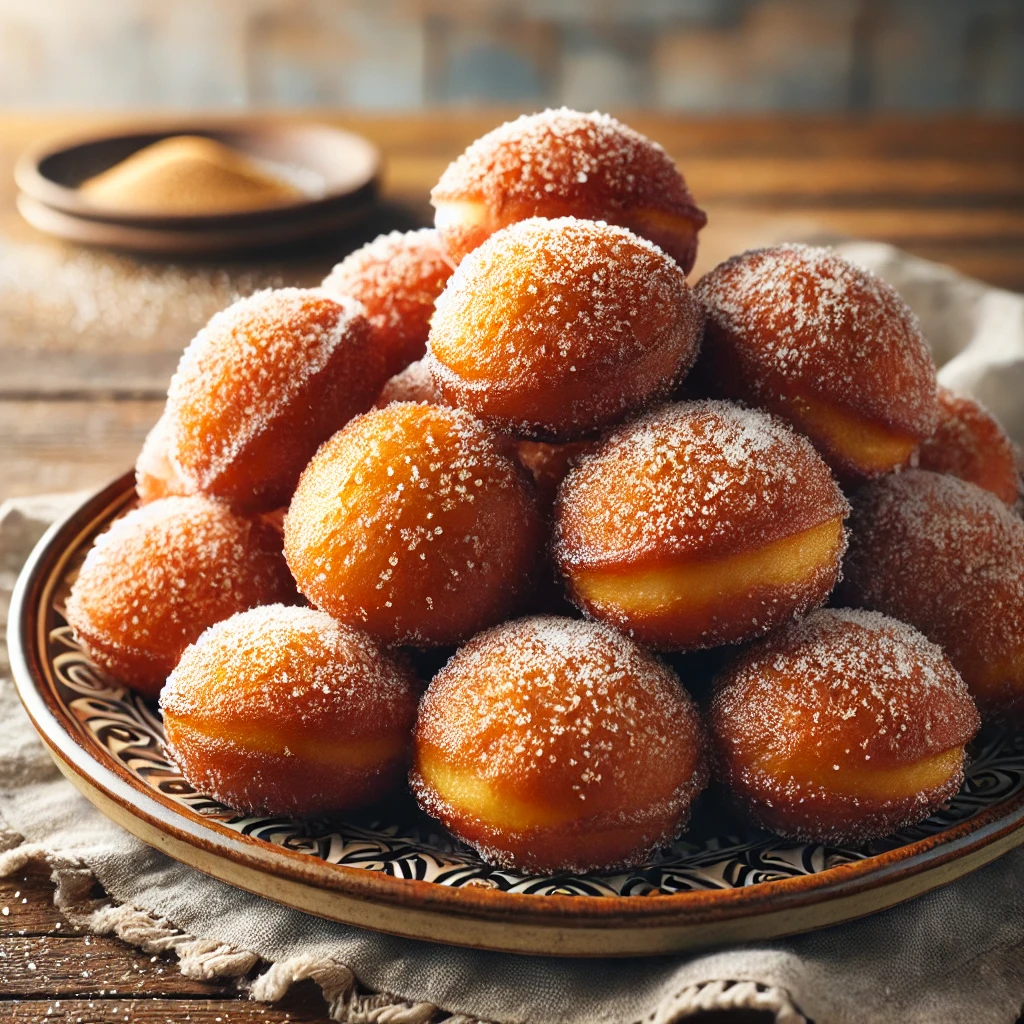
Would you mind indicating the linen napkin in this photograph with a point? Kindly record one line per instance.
(953, 956)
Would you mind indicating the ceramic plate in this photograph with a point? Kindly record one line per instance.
(395, 870)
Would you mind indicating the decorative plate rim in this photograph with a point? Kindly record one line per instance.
(975, 841)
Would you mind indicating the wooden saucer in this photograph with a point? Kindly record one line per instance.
(345, 166)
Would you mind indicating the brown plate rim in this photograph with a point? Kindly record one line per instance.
(29, 177)
(974, 842)
(181, 242)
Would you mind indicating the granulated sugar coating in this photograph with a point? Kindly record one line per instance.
(283, 710)
(413, 384)
(552, 744)
(554, 328)
(264, 383)
(164, 573)
(969, 443)
(814, 338)
(415, 523)
(155, 475)
(564, 162)
(698, 524)
(947, 557)
(692, 480)
(841, 727)
(396, 277)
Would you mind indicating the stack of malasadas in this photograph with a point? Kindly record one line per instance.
(471, 438)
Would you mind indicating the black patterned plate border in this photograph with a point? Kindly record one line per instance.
(396, 871)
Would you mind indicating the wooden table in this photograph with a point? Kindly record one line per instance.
(88, 341)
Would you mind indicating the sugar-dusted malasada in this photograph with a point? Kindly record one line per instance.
(830, 347)
(842, 727)
(551, 744)
(164, 573)
(566, 163)
(261, 386)
(415, 523)
(155, 474)
(396, 277)
(969, 443)
(286, 711)
(947, 557)
(555, 328)
(700, 523)
(413, 384)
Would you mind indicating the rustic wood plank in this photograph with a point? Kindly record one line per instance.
(804, 180)
(157, 1011)
(880, 134)
(149, 989)
(166, 1011)
(89, 965)
(27, 908)
(69, 446)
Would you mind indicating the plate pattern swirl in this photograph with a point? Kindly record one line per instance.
(720, 851)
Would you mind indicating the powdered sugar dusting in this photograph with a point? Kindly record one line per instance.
(288, 664)
(397, 277)
(167, 570)
(568, 710)
(155, 475)
(407, 514)
(845, 691)
(846, 665)
(562, 320)
(796, 317)
(970, 444)
(948, 557)
(248, 364)
(285, 711)
(565, 154)
(699, 479)
(413, 384)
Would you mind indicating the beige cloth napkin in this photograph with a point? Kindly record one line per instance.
(954, 956)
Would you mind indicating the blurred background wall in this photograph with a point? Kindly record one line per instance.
(676, 55)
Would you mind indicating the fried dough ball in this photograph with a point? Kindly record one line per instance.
(565, 163)
(416, 524)
(555, 328)
(830, 347)
(841, 728)
(970, 444)
(396, 277)
(700, 523)
(284, 711)
(947, 557)
(155, 474)
(413, 384)
(163, 573)
(261, 386)
(548, 464)
(550, 745)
